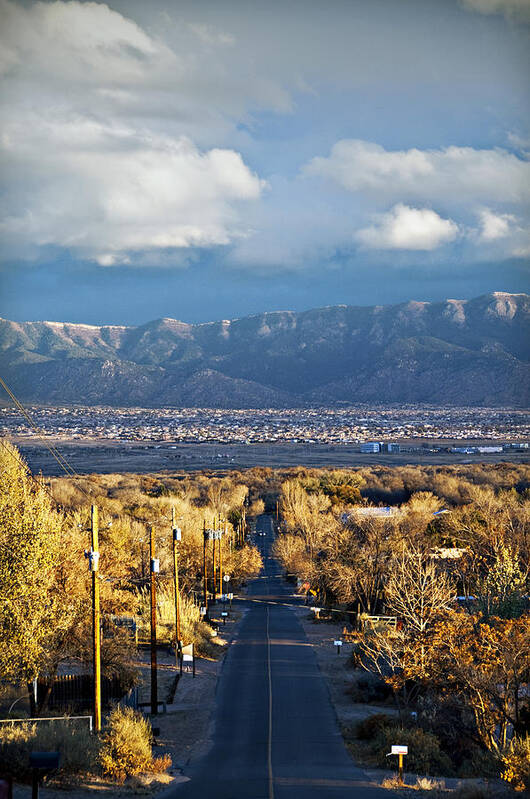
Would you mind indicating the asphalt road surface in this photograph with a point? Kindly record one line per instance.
(276, 734)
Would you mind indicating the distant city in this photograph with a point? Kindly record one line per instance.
(374, 429)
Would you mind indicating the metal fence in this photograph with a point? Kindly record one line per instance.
(76, 691)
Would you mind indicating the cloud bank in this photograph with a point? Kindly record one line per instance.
(460, 180)
(145, 135)
(456, 174)
(84, 174)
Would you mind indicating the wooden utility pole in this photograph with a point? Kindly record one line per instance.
(213, 563)
(177, 534)
(220, 561)
(204, 568)
(96, 618)
(154, 569)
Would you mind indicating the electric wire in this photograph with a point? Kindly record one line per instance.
(41, 485)
(61, 460)
(55, 453)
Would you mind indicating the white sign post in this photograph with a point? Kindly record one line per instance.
(338, 644)
(188, 656)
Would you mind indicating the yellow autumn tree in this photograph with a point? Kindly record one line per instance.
(29, 550)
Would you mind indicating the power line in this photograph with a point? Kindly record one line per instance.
(21, 462)
(61, 460)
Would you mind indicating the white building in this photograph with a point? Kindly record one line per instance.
(371, 446)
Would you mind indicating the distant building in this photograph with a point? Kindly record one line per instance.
(487, 449)
(393, 447)
(371, 446)
(371, 512)
(448, 553)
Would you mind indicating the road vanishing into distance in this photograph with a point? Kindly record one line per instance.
(276, 734)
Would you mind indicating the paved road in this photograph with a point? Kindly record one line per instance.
(276, 735)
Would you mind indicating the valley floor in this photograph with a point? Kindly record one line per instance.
(122, 456)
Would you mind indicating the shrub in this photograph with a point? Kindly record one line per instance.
(428, 784)
(480, 763)
(425, 755)
(516, 764)
(369, 689)
(193, 629)
(392, 783)
(15, 746)
(126, 746)
(368, 728)
(77, 747)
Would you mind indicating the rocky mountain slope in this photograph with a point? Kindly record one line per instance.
(463, 352)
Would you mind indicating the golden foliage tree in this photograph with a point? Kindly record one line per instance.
(29, 551)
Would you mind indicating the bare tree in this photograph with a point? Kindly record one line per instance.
(417, 591)
(419, 594)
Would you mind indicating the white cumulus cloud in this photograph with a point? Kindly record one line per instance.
(405, 228)
(456, 174)
(86, 163)
(495, 226)
(106, 191)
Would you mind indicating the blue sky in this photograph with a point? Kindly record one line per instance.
(206, 160)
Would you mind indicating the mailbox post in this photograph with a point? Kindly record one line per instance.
(400, 751)
(41, 763)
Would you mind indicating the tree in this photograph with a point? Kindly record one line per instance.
(343, 488)
(356, 562)
(29, 552)
(486, 665)
(501, 589)
(304, 513)
(419, 595)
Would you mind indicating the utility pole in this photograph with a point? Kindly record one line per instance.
(177, 535)
(213, 562)
(221, 560)
(154, 569)
(204, 568)
(93, 561)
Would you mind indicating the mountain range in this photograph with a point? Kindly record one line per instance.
(456, 352)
